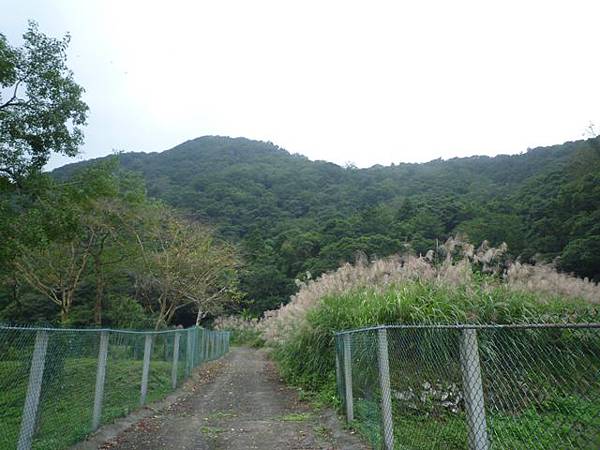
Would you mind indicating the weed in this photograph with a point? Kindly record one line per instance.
(211, 432)
(322, 431)
(296, 417)
(221, 415)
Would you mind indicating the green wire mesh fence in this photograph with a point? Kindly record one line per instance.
(477, 387)
(58, 385)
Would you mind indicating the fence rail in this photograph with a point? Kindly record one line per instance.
(479, 387)
(58, 385)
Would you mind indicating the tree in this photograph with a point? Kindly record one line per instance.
(83, 221)
(183, 264)
(110, 200)
(43, 111)
(56, 270)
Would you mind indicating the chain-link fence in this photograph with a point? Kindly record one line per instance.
(478, 387)
(58, 385)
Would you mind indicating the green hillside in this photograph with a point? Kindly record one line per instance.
(291, 215)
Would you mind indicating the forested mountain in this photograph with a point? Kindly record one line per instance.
(291, 216)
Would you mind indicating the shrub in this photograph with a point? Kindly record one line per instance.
(243, 331)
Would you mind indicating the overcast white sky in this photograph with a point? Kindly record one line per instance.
(370, 82)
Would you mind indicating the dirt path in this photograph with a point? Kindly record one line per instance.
(243, 405)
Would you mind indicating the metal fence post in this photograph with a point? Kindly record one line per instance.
(146, 368)
(188, 353)
(338, 370)
(192, 339)
(201, 355)
(198, 347)
(208, 345)
(473, 390)
(34, 387)
(348, 377)
(100, 377)
(386, 391)
(216, 345)
(175, 361)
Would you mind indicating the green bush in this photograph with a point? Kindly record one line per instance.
(307, 357)
(244, 330)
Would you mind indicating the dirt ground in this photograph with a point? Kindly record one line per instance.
(238, 402)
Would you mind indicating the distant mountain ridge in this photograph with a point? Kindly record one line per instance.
(292, 215)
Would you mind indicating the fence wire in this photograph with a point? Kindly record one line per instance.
(58, 385)
(483, 387)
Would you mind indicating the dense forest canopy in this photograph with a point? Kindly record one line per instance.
(294, 218)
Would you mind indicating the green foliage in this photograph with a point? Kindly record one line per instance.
(306, 357)
(126, 312)
(247, 338)
(96, 250)
(244, 330)
(121, 397)
(292, 216)
(43, 111)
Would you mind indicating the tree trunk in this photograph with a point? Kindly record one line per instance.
(161, 313)
(64, 314)
(99, 290)
(201, 315)
(15, 292)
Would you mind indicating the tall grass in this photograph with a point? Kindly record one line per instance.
(454, 284)
(306, 357)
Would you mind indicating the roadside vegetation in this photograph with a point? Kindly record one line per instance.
(457, 283)
(70, 401)
(244, 330)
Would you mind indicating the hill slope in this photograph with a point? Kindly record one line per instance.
(292, 215)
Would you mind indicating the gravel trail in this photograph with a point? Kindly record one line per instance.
(241, 404)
